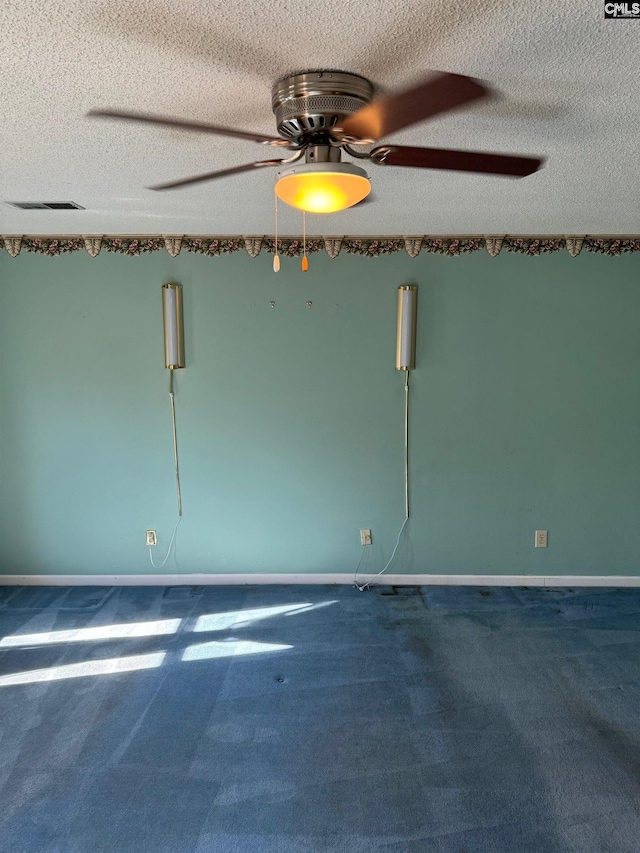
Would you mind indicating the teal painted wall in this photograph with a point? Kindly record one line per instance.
(525, 414)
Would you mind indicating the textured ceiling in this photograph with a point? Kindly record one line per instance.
(568, 79)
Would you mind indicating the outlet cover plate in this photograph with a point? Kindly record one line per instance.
(152, 539)
(365, 537)
(541, 538)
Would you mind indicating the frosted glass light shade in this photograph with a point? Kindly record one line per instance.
(173, 326)
(406, 331)
(323, 187)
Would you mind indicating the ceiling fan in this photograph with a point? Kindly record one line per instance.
(320, 114)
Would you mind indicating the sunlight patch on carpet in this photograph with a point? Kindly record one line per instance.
(229, 648)
(108, 666)
(124, 631)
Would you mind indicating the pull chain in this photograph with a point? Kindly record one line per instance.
(276, 257)
(305, 260)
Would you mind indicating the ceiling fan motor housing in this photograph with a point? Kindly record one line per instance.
(310, 104)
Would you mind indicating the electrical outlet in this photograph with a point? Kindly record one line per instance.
(541, 538)
(365, 537)
(152, 539)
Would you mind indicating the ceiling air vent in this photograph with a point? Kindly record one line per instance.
(46, 205)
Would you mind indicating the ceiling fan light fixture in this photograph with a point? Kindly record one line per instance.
(323, 187)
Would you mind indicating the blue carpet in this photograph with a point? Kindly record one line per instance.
(304, 719)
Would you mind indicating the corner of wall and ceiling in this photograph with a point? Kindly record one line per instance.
(292, 246)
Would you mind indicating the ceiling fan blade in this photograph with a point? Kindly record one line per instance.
(210, 176)
(189, 125)
(432, 97)
(456, 161)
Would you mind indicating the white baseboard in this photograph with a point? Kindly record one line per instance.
(318, 579)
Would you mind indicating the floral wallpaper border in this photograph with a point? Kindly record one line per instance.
(371, 247)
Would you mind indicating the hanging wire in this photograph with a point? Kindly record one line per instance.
(406, 489)
(406, 443)
(177, 468)
(364, 553)
(369, 582)
(175, 442)
(171, 541)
